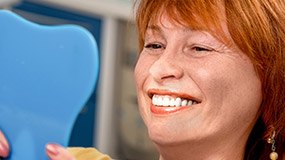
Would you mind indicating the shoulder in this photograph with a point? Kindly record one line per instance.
(87, 154)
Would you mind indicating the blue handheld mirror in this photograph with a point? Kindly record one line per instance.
(47, 73)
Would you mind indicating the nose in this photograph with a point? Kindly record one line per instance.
(166, 67)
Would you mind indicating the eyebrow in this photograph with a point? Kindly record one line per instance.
(158, 29)
(154, 28)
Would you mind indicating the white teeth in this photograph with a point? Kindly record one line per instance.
(190, 103)
(178, 102)
(165, 101)
(154, 99)
(184, 102)
(159, 101)
(172, 102)
(168, 101)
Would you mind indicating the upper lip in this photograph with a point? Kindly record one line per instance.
(152, 92)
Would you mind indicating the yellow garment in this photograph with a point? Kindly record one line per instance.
(81, 153)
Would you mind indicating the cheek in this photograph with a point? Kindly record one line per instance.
(142, 70)
(229, 77)
(232, 97)
(139, 73)
(229, 82)
(211, 81)
(236, 89)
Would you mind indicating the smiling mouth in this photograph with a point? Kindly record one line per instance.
(169, 101)
(165, 102)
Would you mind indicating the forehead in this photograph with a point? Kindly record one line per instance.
(196, 14)
(203, 15)
(166, 26)
(165, 21)
(212, 21)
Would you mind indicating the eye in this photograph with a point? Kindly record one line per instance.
(198, 50)
(201, 49)
(154, 46)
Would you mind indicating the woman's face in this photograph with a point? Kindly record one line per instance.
(192, 86)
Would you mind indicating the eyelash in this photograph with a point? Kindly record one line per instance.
(201, 49)
(154, 46)
(158, 46)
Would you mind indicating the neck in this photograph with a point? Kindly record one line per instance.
(215, 149)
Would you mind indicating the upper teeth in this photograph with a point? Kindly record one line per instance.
(168, 101)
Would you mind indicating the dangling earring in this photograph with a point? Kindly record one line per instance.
(273, 155)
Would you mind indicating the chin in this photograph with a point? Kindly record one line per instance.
(162, 138)
(165, 135)
(170, 135)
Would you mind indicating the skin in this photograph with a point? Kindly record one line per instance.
(180, 62)
(4, 146)
(53, 151)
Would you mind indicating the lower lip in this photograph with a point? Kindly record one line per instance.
(166, 110)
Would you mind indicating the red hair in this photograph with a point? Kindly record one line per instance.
(258, 29)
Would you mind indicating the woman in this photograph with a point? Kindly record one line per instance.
(210, 79)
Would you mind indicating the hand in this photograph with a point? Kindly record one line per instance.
(56, 152)
(4, 146)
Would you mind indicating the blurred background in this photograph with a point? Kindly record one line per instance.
(110, 119)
